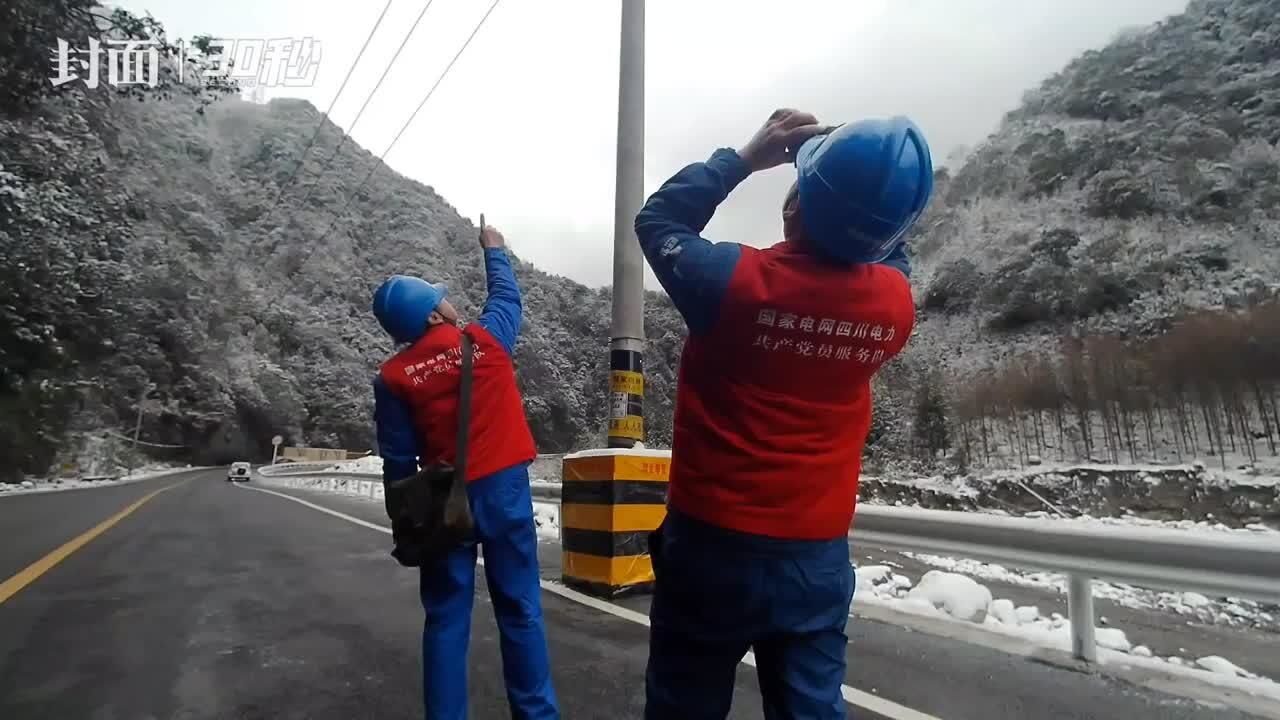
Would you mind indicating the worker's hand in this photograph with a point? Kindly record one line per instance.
(777, 141)
(491, 238)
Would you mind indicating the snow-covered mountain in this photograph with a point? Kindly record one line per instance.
(1056, 268)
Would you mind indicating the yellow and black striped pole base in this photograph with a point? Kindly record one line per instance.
(626, 398)
(610, 501)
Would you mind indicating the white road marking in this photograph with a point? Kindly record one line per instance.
(853, 696)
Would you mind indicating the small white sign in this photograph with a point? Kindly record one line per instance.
(618, 408)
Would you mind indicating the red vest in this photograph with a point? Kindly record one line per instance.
(773, 405)
(426, 376)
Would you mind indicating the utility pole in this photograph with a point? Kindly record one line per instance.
(626, 344)
(137, 426)
(137, 430)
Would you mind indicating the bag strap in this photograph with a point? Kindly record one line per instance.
(464, 412)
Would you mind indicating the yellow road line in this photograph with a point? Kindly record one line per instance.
(32, 572)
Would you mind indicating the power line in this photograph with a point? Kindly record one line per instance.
(327, 113)
(367, 99)
(379, 161)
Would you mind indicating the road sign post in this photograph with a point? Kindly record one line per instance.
(276, 442)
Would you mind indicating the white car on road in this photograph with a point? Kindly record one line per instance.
(239, 472)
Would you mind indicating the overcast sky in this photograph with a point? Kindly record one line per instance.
(523, 128)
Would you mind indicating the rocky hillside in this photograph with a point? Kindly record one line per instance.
(1141, 182)
(246, 322)
(148, 250)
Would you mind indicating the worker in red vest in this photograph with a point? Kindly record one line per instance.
(773, 406)
(416, 400)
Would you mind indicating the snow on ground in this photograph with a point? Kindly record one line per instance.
(369, 464)
(1191, 525)
(1239, 472)
(1231, 611)
(959, 598)
(57, 484)
(547, 517)
(1265, 472)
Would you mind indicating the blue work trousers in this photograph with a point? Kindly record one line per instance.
(503, 511)
(720, 593)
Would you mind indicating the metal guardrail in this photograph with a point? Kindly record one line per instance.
(296, 468)
(1223, 564)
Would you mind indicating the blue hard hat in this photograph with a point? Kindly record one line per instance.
(402, 305)
(862, 186)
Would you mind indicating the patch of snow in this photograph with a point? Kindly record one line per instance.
(368, 463)
(958, 595)
(1251, 684)
(1003, 611)
(1195, 599)
(1222, 666)
(961, 599)
(880, 580)
(1113, 638)
(1248, 480)
(1242, 472)
(1027, 614)
(956, 485)
(60, 484)
(872, 574)
(1227, 611)
(1216, 529)
(546, 516)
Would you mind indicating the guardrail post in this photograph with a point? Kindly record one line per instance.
(1080, 608)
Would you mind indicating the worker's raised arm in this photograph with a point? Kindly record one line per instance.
(502, 308)
(692, 270)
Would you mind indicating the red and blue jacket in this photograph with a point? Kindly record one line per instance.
(416, 391)
(773, 400)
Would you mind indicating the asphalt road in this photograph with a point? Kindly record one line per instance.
(214, 601)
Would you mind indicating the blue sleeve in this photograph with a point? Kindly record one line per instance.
(898, 260)
(397, 439)
(693, 271)
(501, 314)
